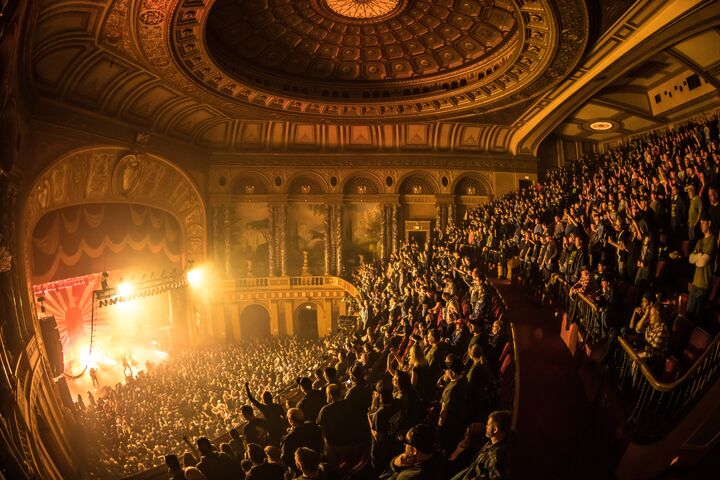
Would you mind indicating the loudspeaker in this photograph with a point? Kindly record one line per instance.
(53, 346)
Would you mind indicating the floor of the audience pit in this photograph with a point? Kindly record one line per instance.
(559, 432)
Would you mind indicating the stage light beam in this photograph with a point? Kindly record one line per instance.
(196, 277)
(124, 289)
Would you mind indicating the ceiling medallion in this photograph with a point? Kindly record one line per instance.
(362, 9)
(600, 125)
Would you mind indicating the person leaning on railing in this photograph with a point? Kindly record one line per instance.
(657, 340)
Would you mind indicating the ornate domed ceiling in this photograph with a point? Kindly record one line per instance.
(362, 49)
(243, 76)
(371, 59)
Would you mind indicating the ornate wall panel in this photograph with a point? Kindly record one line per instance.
(110, 174)
(174, 67)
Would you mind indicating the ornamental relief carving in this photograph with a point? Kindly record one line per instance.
(192, 68)
(114, 175)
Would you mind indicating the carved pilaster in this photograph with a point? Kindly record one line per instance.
(451, 214)
(271, 243)
(384, 234)
(438, 220)
(394, 226)
(338, 239)
(327, 240)
(282, 220)
(227, 221)
(216, 220)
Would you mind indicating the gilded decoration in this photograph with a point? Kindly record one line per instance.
(108, 175)
(425, 60)
(363, 9)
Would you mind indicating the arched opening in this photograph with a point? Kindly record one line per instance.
(306, 321)
(254, 323)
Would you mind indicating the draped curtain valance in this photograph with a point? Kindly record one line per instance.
(77, 240)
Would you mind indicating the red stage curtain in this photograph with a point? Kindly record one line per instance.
(75, 241)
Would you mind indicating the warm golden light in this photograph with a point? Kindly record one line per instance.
(124, 289)
(196, 277)
(601, 126)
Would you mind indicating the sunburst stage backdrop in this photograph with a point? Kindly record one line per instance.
(112, 340)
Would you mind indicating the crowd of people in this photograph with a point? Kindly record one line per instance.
(418, 390)
(639, 221)
(415, 390)
(195, 393)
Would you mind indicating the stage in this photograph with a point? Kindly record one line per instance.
(111, 334)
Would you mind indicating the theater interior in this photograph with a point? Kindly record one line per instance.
(260, 186)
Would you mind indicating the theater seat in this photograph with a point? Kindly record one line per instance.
(629, 294)
(680, 334)
(685, 248)
(660, 269)
(506, 364)
(505, 351)
(672, 369)
(714, 288)
(698, 343)
(682, 303)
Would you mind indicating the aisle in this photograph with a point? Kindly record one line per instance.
(555, 437)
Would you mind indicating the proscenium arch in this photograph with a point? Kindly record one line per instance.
(112, 174)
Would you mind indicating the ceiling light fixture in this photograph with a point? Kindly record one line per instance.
(601, 126)
(362, 9)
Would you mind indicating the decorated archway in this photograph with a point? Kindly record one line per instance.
(114, 175)
(107, 209)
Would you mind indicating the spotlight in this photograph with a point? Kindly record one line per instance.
(124, 289)
(195, 277)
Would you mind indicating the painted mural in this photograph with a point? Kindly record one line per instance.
(306, 232)
(249, 239)
(363, 232)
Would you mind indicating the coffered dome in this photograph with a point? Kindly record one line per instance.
(362, 49)
(365, 59)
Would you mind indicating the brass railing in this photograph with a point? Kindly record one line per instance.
(287, 283)
(586, 314)
(655, 406)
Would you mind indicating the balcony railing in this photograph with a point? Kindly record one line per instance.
(289, 283)
(656, 407)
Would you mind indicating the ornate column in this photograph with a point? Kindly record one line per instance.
(271, 243)
(438, 220)
(226, 240)
(327, 239)
(394, 226)
(282, 221)
(338, 240)
(384, 233)
(451, 214)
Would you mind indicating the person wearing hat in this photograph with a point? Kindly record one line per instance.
(420, 460)
(702, 257)
(453, 404)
